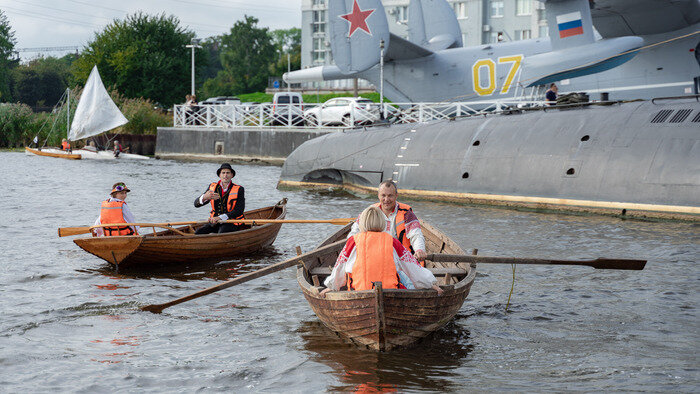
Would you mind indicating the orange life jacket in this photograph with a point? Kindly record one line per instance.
(111, 212)
(375, 261)
(65, 145)
(401, 225)
(229, 199)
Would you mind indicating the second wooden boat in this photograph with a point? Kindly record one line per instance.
(52, 152)
(169, 247)
(385, 319)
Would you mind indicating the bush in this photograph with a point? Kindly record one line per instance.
(143, 116)
(15, 119)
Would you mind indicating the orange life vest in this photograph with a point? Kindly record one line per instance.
(401, 225)
(111, 212)
(375, 261)
(65, 145)
(227, 201)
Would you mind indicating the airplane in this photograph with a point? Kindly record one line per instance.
(639, 49)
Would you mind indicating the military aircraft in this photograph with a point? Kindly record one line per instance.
(638, 49)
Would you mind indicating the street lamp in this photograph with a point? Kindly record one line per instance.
(193, 45)
(381, 79)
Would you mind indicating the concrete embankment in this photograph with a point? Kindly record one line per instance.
(268, 145)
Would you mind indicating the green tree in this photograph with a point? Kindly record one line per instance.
(7, 46)
(40, 82)
(286, 42)
(141, 56)
(246, 54)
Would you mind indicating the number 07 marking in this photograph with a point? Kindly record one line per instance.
(490, 84)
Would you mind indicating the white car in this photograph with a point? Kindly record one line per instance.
(346, 111)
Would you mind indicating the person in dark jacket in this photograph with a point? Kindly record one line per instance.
(551, 94)
(227, 201)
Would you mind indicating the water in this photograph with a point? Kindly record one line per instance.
(69, 323)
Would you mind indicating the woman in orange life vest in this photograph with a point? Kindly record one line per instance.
(115, 210)
(65, 145)
(227, 201)
(375, 256)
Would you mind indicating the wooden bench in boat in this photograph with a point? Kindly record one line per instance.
(325, 271)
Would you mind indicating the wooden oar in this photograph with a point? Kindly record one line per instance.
(158, 308)
(68, 231)
(600, 263)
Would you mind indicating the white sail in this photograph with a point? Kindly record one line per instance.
(96, 112)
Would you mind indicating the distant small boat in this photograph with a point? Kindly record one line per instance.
(52, 152)
(167, 247)
(95, 114)
(387, 319)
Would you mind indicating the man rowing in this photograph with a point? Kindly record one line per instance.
(401, 222)
(227, 201)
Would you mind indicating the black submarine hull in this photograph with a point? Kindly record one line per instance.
(636, 159)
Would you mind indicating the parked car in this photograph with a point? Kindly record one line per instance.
(221, 100)
(287, 109)
(343, 111)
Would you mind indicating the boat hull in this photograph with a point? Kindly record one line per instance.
(388, 319)
(168, 248)
(108, 155)
(50, 152)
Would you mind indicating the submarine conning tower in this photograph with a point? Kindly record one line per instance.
(637, 158)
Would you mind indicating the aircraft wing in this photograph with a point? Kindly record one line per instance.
(401, 49)
(617, 18)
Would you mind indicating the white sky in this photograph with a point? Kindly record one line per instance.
(56, 23)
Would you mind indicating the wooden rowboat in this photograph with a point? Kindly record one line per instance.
(170, 247)
(53, 153)
(385, 319)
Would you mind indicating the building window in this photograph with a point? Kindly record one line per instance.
(544, 31)
(319, 3)
(402, 14)
(523, 34)
(496, 8)
(495, 37)
(460, 9)
(319, 52)
(319, 22)
(523, 7)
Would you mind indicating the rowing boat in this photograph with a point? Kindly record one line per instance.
(51, 152)
(181, 245)
(386, 319)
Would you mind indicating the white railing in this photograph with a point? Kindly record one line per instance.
(307, 115)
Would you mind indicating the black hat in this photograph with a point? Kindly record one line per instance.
(227, 167)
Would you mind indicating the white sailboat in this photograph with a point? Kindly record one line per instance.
(95, 114)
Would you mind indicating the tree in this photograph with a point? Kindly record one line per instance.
(287, 42)
(246, 54)
(7, 46)
(41, 82)
(141, 56)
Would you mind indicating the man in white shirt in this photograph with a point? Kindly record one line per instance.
(401, 222)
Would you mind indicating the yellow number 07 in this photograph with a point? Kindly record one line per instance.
(490, 65)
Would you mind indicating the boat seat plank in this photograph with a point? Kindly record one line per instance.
(325, 271)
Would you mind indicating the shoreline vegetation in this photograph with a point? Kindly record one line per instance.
(19, 124)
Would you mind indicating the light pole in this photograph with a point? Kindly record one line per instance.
(381, 79)
(193, 45)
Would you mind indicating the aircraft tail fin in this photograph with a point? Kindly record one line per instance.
(570, 23)
(433, 24)
(356, 29)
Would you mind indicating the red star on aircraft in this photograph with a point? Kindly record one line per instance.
(357, 19)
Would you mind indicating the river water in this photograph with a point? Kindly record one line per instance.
(70, 323)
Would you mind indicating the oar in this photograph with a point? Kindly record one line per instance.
(158, 308)
(68, 231)
(600, 263)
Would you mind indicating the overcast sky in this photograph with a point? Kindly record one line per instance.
(58, 23)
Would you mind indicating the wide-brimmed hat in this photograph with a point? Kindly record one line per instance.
(119, 187)
(225, 166)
